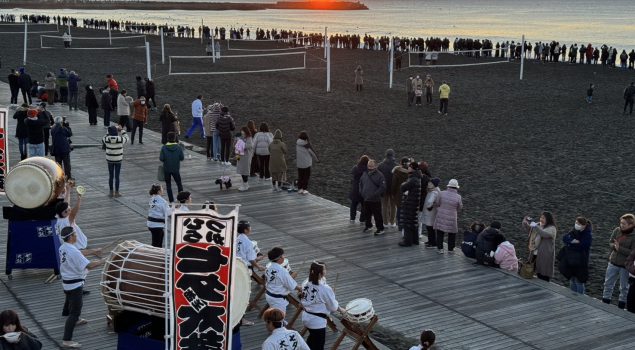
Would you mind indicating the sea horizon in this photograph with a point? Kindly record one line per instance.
(581, 22)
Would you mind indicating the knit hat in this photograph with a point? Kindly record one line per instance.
(453, 184)
(112, 131)
(277, 135)
(390, 153)
(435, 181)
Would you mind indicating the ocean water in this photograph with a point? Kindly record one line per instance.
(610, 22)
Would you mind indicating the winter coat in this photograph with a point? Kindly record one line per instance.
(261, 143)
(35, 130)
(546, 249)
(630, 264)
(359, 77)
(106, 101)
(169, 123)
(149, 88)
(399, 176)
(627, 244)
(304, 154)
(385, 167)
(449, 203)
(225, 125)
(505, 256)
(468, 245)
(20, 125)
(141, 88)
(410, 193)
(211, 118)
(486, 242)
(140, 111)
(73, 82)
(24, 81)
(60, 140)
(13, 81)
(171, 155)
(244, 163)
(49, 83)
(91, 99)
(573, 258)
(372, 185)
(123, 104)
(356, 175)
(278, 152)
(114, 147)
(429, 210)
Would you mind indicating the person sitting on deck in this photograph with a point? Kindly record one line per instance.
(468, 246)
(486, 243)
(505, 254)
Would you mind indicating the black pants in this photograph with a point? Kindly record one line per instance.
(63, 94)
(432, 236)
(418, 101)
(26, 93)
(107, 117)
(225, 144)
(316, 339)
(628, 103)
(303, 179)
(354, 203)
(411, 97)
(65, 161)
(630, 297)
(168, 183)
(92, 116)
(73, 309)
(137, 124)
(451, 240)
(373, 210)
(113, 99)
(543, 277)
(359, 87)
(210, 146)
(410, 234)
(124, 122)
(154, 101)
(429, 96)
(157, 236)
(47, 137)
(443, 106)
(14, 94)
(263, 166)
(114, 169)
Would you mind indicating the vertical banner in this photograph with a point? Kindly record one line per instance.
(201, 278)
(4, 147)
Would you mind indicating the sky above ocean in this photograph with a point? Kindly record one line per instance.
(610, 22)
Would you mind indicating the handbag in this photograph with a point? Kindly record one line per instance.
(527, 268)
(160, 173)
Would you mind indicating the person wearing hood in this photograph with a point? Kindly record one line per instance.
(139, 118)
(388, 208)
(505, 255)
(277, 160)
(172, 156)
(106, 105)
(354, 195)
(20, 116)
(399, 176)
(25, 83)
(35, 133)
(449, 202)
(574, 257)
(304, 160)
(372, 186)
(430, 211)
(91, 105)
(621, 243)
(486, 243)
(61, 147)
(410, 198)
(73, 90)
(13, 86)
(49, 86)
(209, 123)
(169, 123)
(244, 153)
(113, 143)
(62, 84)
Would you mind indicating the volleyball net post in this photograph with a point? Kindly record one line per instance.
(213, 48)
(325, 39)
(522, 57)
(109, 34)
(392, 60)
(148, 66)
(25, 41)
(162, 46)
(327, 51)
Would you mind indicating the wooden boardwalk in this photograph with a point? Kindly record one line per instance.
(469, 307)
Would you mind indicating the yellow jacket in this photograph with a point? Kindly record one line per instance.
(444, 91)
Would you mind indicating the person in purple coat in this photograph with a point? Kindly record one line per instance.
(449, 203)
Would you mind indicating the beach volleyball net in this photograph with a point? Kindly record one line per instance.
(94, 43)
(287, 44)
(237, 64)
(32, 28)
(443, 59)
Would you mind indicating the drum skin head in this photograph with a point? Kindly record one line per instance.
(33, 182)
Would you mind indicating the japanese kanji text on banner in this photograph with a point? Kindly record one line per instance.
(4, 151)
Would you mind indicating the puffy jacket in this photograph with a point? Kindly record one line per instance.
(35, 130)
(141, 88)
(372, 185)
(211, 118)
(399, 176)
(60, 137)
(62, 79)
(171, 156)
(225, 125)
(140, 111)
(20, 125)
(356, 175)
(444, 91)
(106, 101)
(278, 152)
(630, 263)
(449, 203)
(261, 143)
(24, 81)
(123, 105)
(429, 209)
(304, 154)
(410, 197)
(486, 242)
(73, 82)
(468, 246)
(386, 167)
(49, 83)
(627, 244)
(505, 256)
(574, 259)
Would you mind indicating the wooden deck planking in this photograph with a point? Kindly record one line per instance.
(469, 306)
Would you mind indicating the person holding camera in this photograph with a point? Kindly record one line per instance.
(61, 148)
(542, 235)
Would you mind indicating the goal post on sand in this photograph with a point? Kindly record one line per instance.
(54, 42)
(173, 71)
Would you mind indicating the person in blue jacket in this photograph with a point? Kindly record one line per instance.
(573, 259)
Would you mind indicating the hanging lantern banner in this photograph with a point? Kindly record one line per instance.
(4, 150)
(201, 278)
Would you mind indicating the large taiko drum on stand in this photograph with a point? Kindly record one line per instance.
(134, 279)
(34, 182)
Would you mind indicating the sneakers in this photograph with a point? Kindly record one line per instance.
(243, 187)
(366, 229)
(81, 321)
(451, 252)
(71, 344)
(404, 244)
(110, 194)
(300, 191)
(267, 179)
(378, 232)
(439, 112)
(430, 246)
(305, 192)
(440, 251)
(352, 221)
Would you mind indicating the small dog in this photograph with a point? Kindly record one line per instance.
(224, 180)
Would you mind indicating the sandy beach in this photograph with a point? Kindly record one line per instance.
(516, 147)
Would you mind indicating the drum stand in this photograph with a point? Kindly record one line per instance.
(359, 332)
(260, 281)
